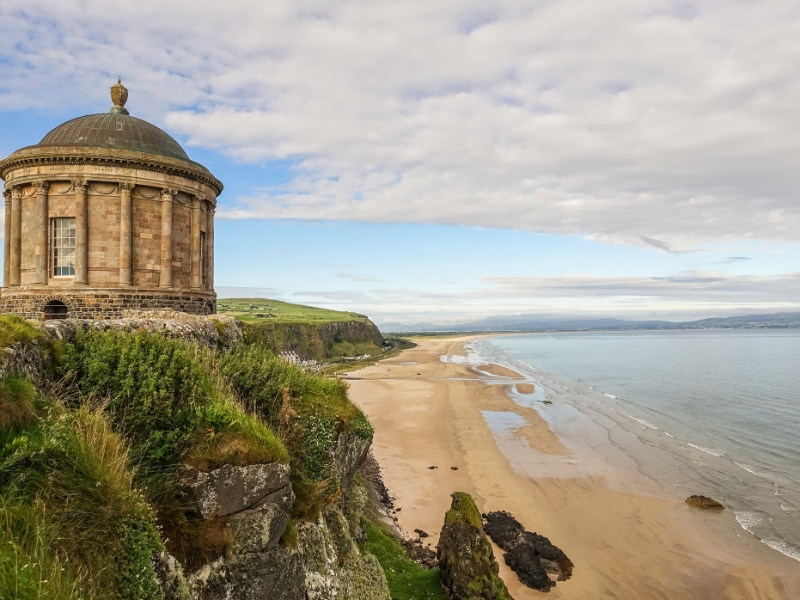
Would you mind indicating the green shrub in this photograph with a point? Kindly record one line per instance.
(167, 398)
(138, 536)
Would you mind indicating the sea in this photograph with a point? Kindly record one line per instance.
(711, 412)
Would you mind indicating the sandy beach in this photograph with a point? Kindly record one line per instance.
(427, 412)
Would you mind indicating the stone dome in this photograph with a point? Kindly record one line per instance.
(112, 130)
(115, 129)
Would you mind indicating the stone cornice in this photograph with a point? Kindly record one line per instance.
(108, 157)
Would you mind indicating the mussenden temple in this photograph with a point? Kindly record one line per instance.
(107, 214)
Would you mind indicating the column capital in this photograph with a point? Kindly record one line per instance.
(16, 191)
(7, 196)
(168, 195)
(79, 185)
(41, 186)
(127, 187)
(195, 201)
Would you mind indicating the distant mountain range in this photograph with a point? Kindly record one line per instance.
(559, 323)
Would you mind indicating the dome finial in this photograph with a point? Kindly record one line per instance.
(119, 96)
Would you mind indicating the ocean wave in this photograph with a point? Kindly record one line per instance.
(747, 519)
(707, 450)
(783, 548)
(771, 477)
(642, 422)
(610, 396)
(669, 434)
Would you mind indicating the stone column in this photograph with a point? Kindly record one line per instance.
(195, 243)
(167, 197)
(210, 247)
(41, 225)
(16, 236)
(81, 233)
(126, 234)
(7, 239)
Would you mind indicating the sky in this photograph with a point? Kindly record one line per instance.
(441, 161)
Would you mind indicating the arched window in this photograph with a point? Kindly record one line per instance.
(55, 309)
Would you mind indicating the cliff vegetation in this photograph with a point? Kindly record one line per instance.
(117, 445)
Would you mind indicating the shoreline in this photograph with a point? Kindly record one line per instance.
(624, 544)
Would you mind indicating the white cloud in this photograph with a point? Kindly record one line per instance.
(683, 296)
(668, 124)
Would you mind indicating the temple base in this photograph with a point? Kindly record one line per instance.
(108, 303)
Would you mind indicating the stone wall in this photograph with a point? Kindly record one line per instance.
(105, 304)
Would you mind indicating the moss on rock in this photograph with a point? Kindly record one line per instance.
(466, 561)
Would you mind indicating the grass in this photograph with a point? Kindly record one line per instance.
(14, 329)
(276, 311)
(407, 580)
(17, 397)
(68, 495)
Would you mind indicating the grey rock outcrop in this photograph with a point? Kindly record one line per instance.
(230, 489)
(327, 564)
(348, 453)
(214, 330)
(26, 358)
(531, 556)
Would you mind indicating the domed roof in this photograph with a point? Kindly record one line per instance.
(108, 130)
(115, 129)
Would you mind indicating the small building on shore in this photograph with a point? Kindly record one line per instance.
(107, 214)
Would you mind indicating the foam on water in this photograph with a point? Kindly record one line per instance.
(707, 450)
(747, 519)
(783, 548)
(642, 422)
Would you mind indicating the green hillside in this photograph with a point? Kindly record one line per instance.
(259, 310)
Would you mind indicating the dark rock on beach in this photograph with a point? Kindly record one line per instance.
(531, 556)
(424, 557)
(704, 502)
(467, 566)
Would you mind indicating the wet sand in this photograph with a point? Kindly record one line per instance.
(624, 545)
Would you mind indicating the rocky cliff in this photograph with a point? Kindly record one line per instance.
(325, 562)
(318, 342)
(265, 547)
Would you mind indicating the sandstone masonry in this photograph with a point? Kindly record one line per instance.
(107, 213)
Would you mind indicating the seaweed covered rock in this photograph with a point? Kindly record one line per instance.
(704, 502)
(466, 561)
(531, 556)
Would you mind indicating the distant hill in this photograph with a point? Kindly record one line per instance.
(558, 323)
(312, 333)
(258, 310)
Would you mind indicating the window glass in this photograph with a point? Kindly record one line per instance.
(62, 244)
